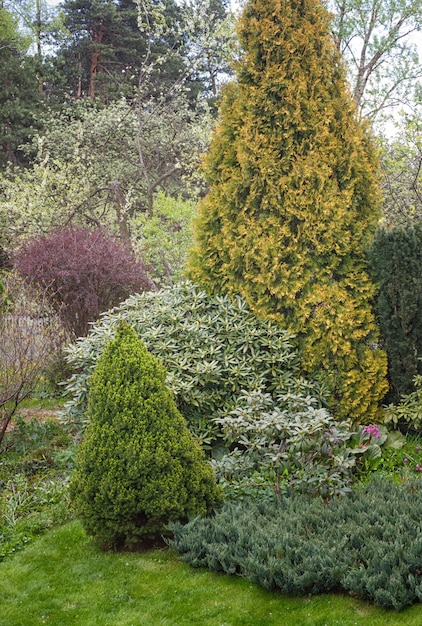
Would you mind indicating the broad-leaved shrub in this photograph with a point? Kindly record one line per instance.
(213, 348)
(84, 271)
(288, 442)
(407, 414)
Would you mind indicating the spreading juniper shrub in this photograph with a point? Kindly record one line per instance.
(368, 544)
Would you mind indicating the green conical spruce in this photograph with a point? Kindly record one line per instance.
(138, 467)
(294, 201)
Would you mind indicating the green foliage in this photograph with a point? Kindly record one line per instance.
(367, 544)
(386, 453)
(409, 412)
(396, 257)
(19, 98)
(4, 298)
(28, 507)
(33, 482)
(31, 438)
(162, 240)
(212, 348)
(294, 201)
(288, 443)
(138, 466)
(400, 459)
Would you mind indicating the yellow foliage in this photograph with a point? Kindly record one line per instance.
(294, 201)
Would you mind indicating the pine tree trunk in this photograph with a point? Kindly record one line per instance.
(97, 37)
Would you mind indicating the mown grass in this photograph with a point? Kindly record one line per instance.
(62, 579)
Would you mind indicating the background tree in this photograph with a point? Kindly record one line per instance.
(210, 44)
(138, 467)
(18, 90)
(402, 172)
(40, 23)
(94, 167)
(83, 271)
(375, 39)
(88, 52)
(294, 201)
(108, 43)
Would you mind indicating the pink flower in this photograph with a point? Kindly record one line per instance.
(372, 430)
(405, 460)
(418, 468)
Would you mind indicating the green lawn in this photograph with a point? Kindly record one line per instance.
(62, 579)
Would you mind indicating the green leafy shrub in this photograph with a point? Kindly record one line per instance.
(288, 442)
(138, 466)
(367, 544)
(408, 413)
(212, 349)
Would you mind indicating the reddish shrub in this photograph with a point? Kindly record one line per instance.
(84, 271)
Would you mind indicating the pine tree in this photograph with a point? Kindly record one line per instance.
(138, 467)
(294, 200)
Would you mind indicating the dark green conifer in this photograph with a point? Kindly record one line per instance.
(396, 257)
(294, 201)
(138, 467)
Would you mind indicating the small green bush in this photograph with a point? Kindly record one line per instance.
(408, 413)
(368, 544)
(287, 442)
(138, 467)
(212, 349)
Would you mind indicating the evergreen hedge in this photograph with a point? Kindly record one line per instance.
(368, 544)
(396, 257)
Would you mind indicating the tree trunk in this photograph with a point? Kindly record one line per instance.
(121, 216)
(38, 33)
(96, 38)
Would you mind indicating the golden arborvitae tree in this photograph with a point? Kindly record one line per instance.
(294, 200)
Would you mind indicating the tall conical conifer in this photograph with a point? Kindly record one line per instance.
(294, 200)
